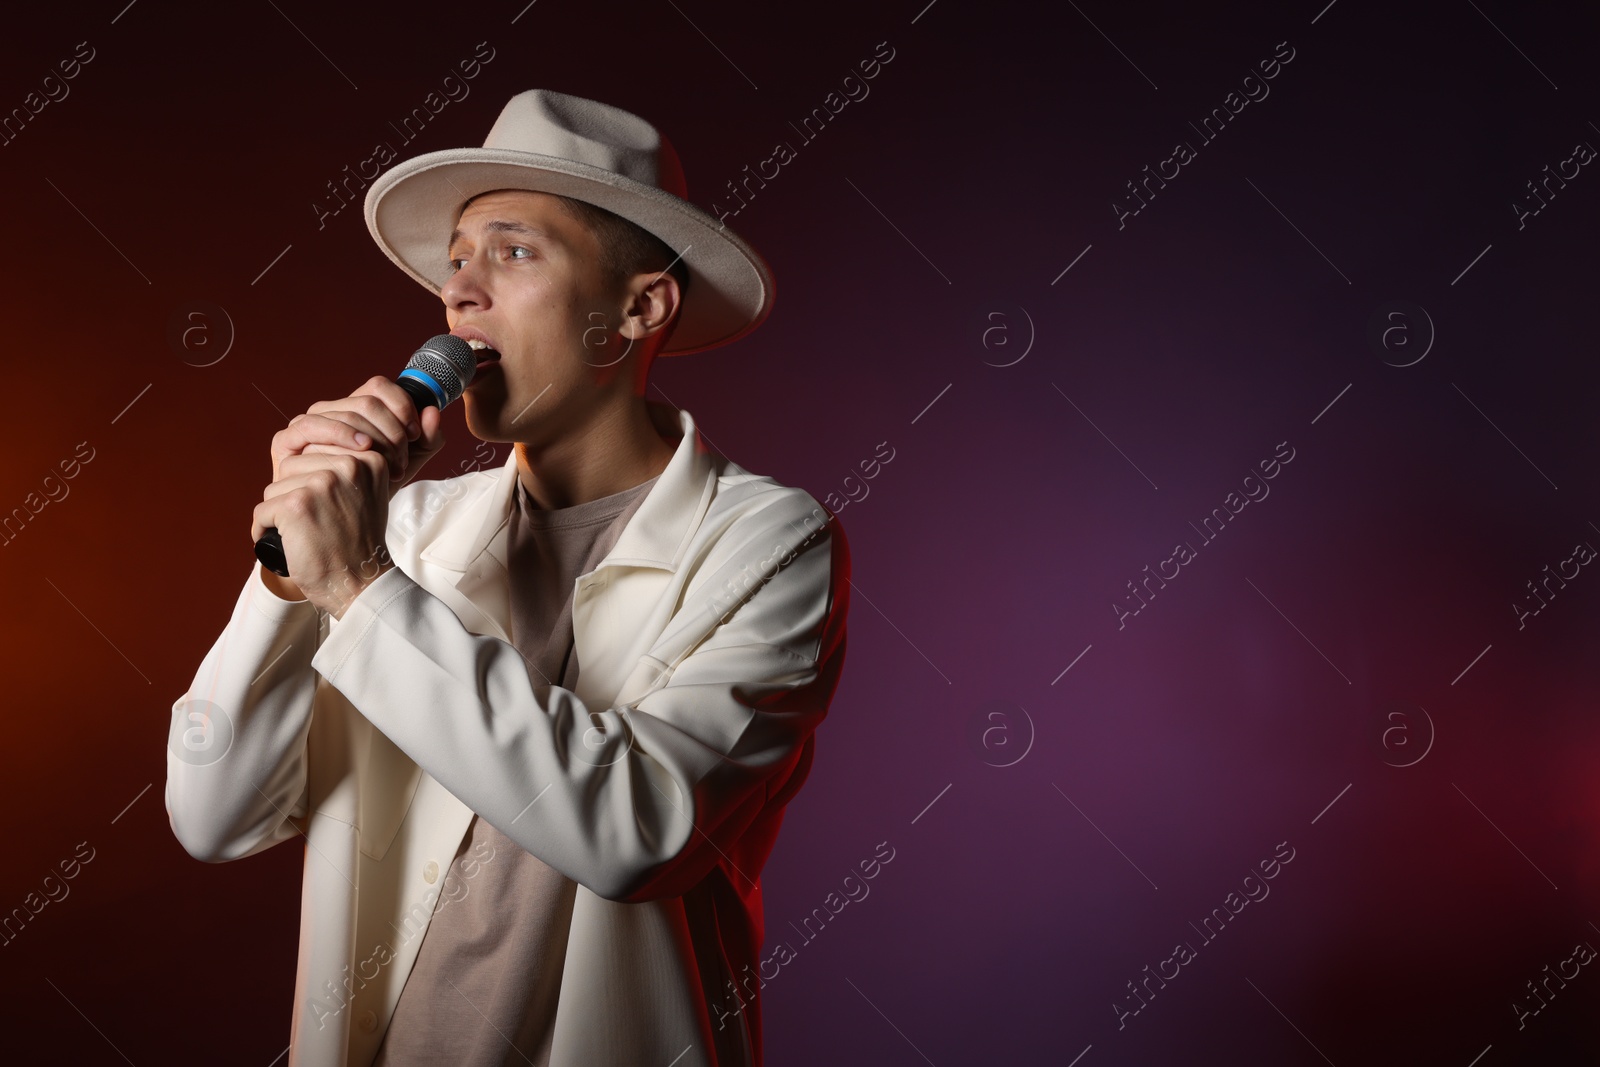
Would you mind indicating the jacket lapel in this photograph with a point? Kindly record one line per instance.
(473, 550)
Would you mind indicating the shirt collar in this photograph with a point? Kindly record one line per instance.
(656, 535)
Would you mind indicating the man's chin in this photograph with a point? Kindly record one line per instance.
(489, 419)
(482, 418)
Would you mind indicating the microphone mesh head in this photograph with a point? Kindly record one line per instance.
(449, 361)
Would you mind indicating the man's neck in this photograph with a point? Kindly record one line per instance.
(617, 450)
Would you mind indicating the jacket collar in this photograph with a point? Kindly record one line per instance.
(656, 535)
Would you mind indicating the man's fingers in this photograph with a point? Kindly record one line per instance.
(275, 511)
(314, 431)
(375, 409)
(393, 399)
(323, 473)
(397, 463)
(327, 428)
(312, 483)
(320, 480)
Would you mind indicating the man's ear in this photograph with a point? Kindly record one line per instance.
(652, 307)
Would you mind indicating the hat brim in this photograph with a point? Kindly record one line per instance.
(412, 208)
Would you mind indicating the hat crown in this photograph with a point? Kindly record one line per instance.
(590, 132)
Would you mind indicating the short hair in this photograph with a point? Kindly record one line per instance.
(626, 249)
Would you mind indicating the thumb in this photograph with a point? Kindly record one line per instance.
(432, 421)
(425, 447)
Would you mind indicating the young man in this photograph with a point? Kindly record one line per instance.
(537, 725)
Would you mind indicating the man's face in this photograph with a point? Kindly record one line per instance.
(528, 282)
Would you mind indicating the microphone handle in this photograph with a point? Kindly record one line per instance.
(269, 550)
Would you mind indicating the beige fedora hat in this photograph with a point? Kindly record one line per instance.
(554, 143)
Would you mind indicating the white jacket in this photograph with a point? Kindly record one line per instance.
(710, 640)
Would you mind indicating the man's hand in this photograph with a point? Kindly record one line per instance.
(334, 471)
(380, 410)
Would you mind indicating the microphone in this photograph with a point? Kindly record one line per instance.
(436, 375)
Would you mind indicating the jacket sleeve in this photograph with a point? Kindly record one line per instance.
(236, 746)
(635, 801)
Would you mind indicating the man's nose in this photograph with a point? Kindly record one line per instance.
(463, 287)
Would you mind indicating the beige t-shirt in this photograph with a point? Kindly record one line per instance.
(488, 972)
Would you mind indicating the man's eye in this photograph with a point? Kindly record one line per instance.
(512, 250)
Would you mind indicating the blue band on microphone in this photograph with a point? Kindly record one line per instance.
(427, 379)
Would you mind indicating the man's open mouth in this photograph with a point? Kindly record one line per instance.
(482, 350)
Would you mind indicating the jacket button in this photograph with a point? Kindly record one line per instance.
(430, 873)
(369, 1021)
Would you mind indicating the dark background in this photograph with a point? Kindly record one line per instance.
(1341, 670)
